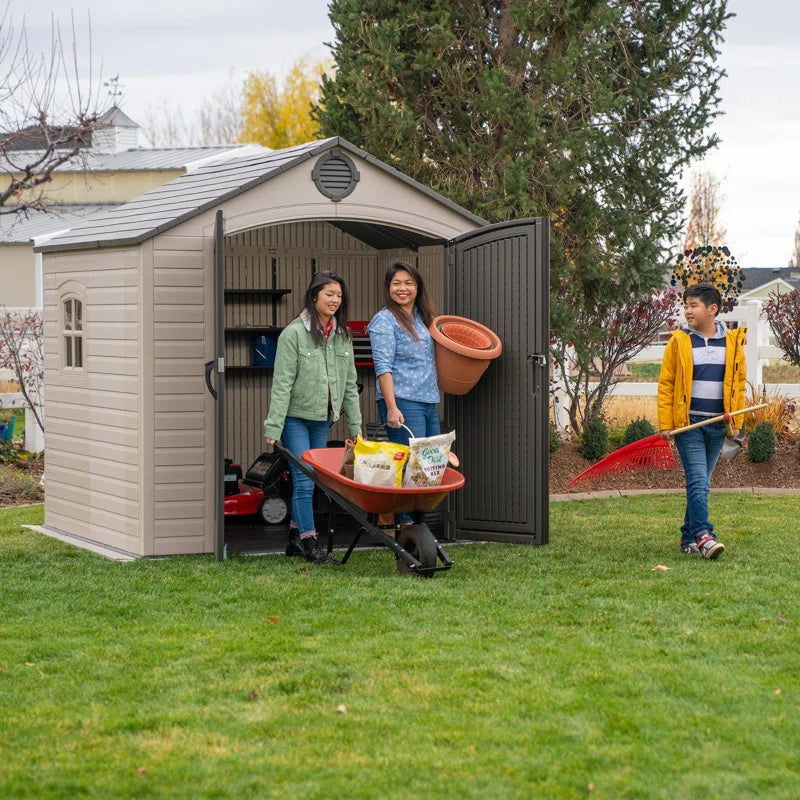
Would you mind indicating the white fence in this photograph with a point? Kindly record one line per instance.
(34, 440)
(757, 350)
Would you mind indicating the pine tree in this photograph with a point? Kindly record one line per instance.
(586, 111)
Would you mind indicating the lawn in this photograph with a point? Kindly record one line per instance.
(567, 671)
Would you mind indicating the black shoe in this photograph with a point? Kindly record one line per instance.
(294, 548)
(313, 551)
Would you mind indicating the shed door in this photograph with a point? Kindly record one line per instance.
(218, 368)
(499, 276)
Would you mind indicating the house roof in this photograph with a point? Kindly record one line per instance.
(191, 194)
(758, 276)
(139, 159)
(22, 228)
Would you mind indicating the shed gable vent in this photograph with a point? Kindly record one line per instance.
(335, 175)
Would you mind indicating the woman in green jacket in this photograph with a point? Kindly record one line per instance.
(313, 381)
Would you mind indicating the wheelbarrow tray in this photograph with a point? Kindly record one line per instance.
(378, 499)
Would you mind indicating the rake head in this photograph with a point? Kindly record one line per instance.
(650, 453)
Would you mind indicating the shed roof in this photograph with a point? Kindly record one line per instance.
(191, 194)
(23, 227)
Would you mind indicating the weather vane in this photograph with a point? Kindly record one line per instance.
(114, 89)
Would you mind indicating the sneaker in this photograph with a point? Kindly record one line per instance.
(708, 546)
(314, 552)
(690, 548)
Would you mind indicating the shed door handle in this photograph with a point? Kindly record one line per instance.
(209, 370)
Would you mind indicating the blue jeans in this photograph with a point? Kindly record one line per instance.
(699, 450)
(298, 436)
(422, 418)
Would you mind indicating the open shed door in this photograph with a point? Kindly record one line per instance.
(217, 367)
(499, 276)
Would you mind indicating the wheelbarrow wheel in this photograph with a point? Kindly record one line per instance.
(420, 543)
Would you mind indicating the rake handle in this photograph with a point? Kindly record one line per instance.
(721, 418)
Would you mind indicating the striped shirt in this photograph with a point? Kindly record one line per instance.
(708, 373)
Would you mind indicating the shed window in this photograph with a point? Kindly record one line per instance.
(73, 333)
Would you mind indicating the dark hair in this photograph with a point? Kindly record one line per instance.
(422, 304)
(321, 279)
(705, 293)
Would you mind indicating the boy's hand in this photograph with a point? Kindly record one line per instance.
(666, 435)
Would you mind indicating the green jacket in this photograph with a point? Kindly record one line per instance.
(305, 374)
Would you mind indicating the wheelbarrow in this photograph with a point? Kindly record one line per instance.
(416, 549)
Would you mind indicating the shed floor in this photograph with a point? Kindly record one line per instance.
(249, 538)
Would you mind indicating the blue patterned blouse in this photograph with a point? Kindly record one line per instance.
(412, 363)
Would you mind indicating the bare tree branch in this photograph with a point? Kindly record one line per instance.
(48, 112)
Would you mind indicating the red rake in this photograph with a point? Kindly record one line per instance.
(650, 453)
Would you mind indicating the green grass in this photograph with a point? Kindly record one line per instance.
(566, 671)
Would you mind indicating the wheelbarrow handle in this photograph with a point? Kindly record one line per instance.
(721, 418)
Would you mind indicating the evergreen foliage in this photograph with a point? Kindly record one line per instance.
(761, 442)
(639, 428)
(594, 440)
(584, 112)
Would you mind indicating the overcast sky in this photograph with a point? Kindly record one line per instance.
(179, 51)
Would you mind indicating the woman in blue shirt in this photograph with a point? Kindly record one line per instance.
(405, 365)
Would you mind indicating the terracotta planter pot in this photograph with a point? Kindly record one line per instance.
(463, 351)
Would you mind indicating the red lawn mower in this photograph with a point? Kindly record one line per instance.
(265, 490)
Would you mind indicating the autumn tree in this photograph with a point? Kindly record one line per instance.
(584, 112)
(704, 227)
(48, 111)
(279, 115)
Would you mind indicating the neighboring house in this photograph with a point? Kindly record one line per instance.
(759, 283)
(112, 170)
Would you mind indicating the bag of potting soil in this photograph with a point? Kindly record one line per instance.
(379, 463)
(427, 459)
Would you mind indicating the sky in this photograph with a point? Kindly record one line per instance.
(179, 51)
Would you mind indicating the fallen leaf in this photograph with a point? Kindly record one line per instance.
(777, 691)
(29, 664)
(141, 771)
(689, 631)
(783, 619)
(303, 569)
(253, 694)
(342, 709)
(274, 619)
(660, 568)
(590, 787)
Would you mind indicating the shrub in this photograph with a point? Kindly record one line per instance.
(555, 440)
(779, 413)
(594, 440)
(761, 442)
(615, 435)
(640, 428)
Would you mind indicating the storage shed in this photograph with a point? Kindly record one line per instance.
(154, 304)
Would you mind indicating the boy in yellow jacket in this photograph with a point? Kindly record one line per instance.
(702, 375)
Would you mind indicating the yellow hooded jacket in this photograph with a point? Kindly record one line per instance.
(675, 379)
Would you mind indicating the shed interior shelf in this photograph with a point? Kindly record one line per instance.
(245, 368)
(256, 292)
(259, 331)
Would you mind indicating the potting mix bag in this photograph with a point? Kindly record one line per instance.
(427, 459)
(379, 463)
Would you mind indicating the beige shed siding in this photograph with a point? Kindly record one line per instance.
(182, 331)
(93, 453)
